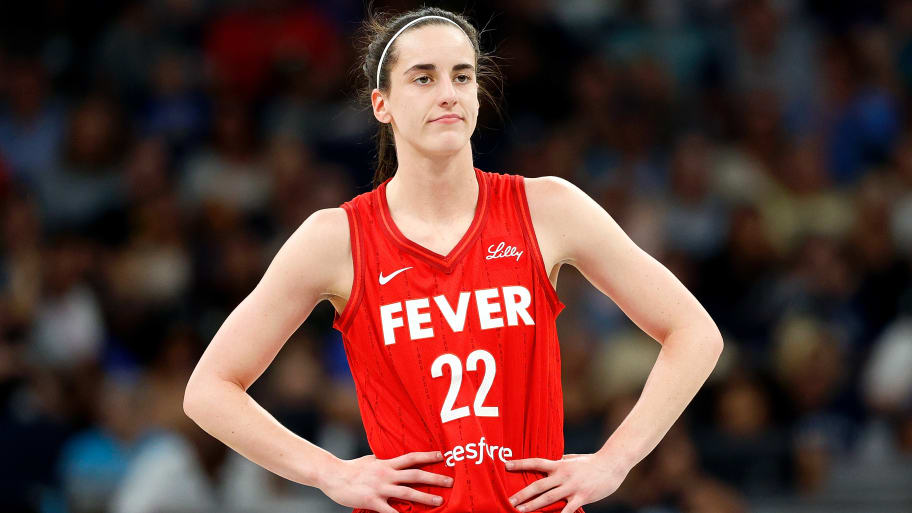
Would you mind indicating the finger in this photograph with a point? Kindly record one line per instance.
(410, 494)
(424, 477)
(540, 464)
(545, 499)
(571, 506)
(536, 488)
(415, 458)
(383, 507)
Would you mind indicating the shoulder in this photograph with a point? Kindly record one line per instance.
(555, 206)
(324, 231)
(330, 223)
(549, 185)
(567, 220)
(318, 253)
(551, 197)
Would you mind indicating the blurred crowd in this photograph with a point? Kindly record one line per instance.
(154, 155)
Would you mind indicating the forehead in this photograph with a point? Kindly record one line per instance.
(438, 43)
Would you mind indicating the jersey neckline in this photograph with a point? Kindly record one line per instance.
(444, 262)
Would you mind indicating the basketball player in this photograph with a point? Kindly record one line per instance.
(443, 281)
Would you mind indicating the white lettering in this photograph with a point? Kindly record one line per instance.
(471, 454)
(389, 323)
(493, 312)
(416, 319)
(514, 307)
(502, 251)
(456, 319)
(485, 309)
(473, 451)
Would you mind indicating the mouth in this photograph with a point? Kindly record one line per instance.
(449, 118)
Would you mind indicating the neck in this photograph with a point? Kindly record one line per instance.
(437, 190)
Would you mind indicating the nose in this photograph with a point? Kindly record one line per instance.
(447, 93)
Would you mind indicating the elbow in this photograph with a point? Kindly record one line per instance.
(203, 393)
(192, 399)
(189, 401)
(702, 338)
(714, 342)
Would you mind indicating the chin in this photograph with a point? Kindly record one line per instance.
(447, 146)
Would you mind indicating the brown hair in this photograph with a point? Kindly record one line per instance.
(376, 32)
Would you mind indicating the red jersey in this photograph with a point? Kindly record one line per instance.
(456, 353)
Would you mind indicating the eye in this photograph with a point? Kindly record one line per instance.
(463, 78)
(423, 80)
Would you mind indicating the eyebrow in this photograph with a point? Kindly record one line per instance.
(431, 67)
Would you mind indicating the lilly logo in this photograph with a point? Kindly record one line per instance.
(502, 251)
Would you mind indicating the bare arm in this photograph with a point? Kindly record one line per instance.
(574, 229)
(314, 264)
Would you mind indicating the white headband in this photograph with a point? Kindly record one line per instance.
(407, 25)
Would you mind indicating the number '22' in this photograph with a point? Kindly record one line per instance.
(447, 413)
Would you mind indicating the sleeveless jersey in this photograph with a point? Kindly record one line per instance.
(456, 353)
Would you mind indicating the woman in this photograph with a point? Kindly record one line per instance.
(443, 281)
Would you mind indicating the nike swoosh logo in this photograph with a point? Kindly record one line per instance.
(385, 279)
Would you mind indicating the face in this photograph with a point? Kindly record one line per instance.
(433, 76)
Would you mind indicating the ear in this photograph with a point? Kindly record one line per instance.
(378, 101)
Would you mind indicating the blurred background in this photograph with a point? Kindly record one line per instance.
(154, 155)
